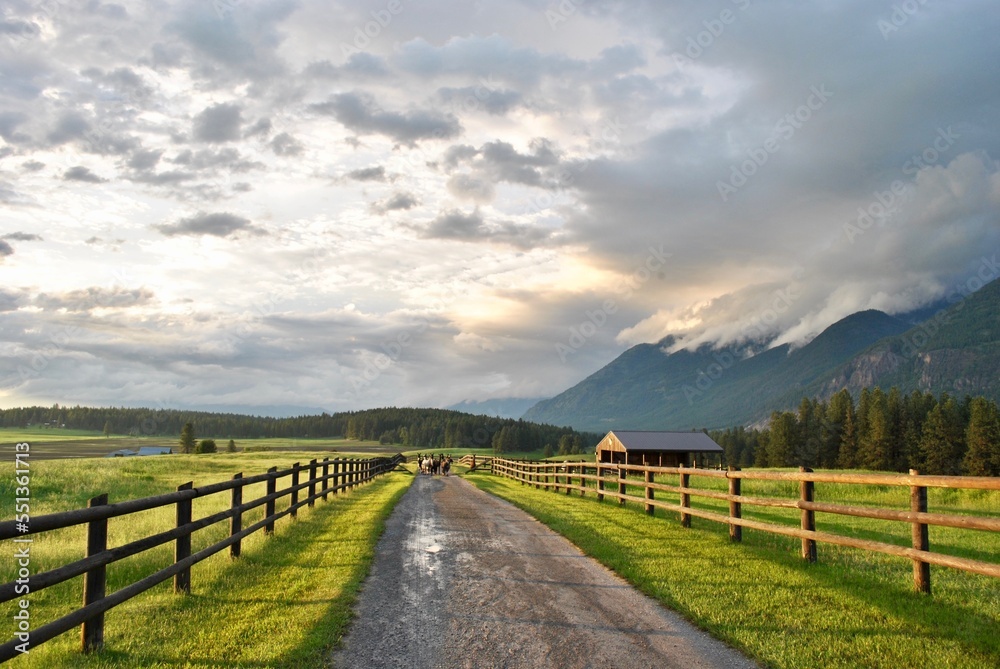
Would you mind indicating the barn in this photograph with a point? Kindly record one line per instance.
(659, 449)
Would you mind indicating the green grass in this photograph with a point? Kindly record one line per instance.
(285, 603)
(58, 443)
(851, 609)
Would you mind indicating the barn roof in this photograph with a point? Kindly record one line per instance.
(685, 442)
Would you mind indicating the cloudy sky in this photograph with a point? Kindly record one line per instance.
(349, 204)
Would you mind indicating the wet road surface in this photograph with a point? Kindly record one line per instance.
(462, 579)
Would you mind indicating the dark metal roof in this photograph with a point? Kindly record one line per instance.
(687, 442)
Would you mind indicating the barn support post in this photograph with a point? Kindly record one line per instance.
(735, 508)
(921, 540)
(807, 489)
(95, 580)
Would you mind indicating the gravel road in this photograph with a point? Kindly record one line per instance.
(463, 579)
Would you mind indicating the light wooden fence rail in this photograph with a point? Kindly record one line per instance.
(620, 482)
(329, 476)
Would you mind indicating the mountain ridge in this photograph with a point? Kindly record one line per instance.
(957, 349)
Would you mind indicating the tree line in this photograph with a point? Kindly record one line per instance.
(412, 428)
(880, 431)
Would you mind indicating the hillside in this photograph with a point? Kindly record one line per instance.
(646, 388)
(956, 350)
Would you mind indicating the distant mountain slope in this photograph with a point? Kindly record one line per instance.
(957, 350)
(646, 388)
(509, 407)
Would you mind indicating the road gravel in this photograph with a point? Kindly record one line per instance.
(463, 579)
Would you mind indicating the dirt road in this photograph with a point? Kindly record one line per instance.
(463, 579)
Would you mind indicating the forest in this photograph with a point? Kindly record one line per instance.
(412, 428)
(880, 431)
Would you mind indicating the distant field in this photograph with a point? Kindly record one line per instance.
(58, 443)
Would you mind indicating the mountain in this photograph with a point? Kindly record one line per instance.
(956, 349)
(508, 407)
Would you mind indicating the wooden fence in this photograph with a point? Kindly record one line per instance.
(322, 479)
(614, 480)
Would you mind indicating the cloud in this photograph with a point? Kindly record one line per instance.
(81, 173)
(286, 145)
(5, 249)
(395, 202)
(95, 297)
(472, 227)
(496, 102)
(23, 237)
(215, 225)
(359, 113)
(262, 128)
(375, 173)
(218, 123)
(69, 127)
(468, 187)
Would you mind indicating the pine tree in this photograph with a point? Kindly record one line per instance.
(942, 439)
(784, 440)
(187, 438)
(107, 429)
(982, 438)
(875, 444)
(231, 446)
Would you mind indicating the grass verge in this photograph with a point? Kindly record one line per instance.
(285, 603)
(851, 609)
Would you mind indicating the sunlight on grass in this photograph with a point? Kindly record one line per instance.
(284, 603)
(852, 609)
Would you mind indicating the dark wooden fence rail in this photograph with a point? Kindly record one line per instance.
(612, 480)
(338, 474)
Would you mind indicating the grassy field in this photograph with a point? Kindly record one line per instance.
(284, 603)
(58, 443)
(851, 609)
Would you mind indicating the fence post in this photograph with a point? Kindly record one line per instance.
(583, 481)
(807, 489)
(326, 473)
(600, 483)
(569, 479)
(236, 520)
(312, 482)
(649, 492)
(621, 486)
(921, 541)
(272, 486)
(295, 493)
(182, 545)
(95, 580)
(336, 475)
(735, 508)
(685, 479)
